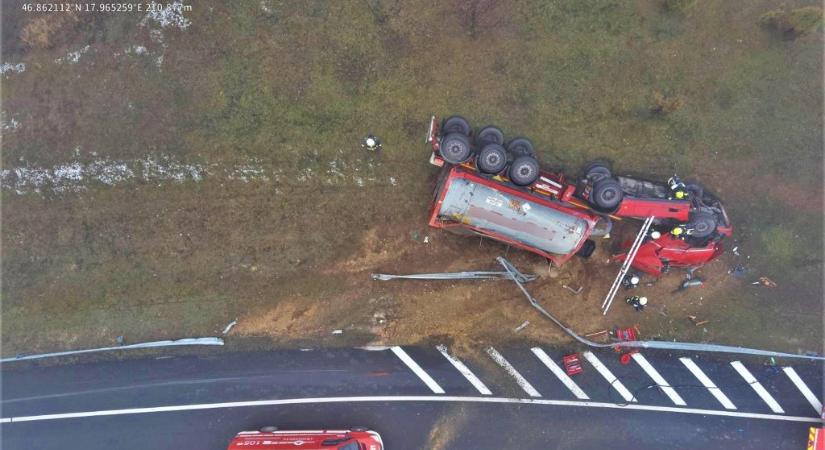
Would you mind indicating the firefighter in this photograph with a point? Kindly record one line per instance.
(678, 232)
(631, 281)
(638, 303)
(371, 143)
(677, 188)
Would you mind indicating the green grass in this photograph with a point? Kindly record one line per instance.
(295, 85)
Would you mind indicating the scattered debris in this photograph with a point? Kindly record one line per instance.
(426, 239)
(738, 271)
(572, 365)
(339, 331)
(735, 251)
(522, 326)
(689, 283)
(379, 318)
(596, 333)
(765, 281)
(230, 326)
(697, 322)
(625, 357)
(576, 289)
(120, 340)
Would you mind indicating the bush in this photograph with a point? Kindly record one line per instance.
(793, 24)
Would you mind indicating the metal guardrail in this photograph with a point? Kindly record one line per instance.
(153, 344)
(661, 345)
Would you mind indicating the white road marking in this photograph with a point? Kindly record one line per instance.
(659, 379)
(706, 382)
(464, 370)
(559, 373)
(391, 398)
(525, 385)
(425, 377)
(608, 375)
(757, 386)
(803, 388)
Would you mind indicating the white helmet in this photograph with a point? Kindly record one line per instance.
(655, 235)
(634, 279)
(643, 301)
(370, 141)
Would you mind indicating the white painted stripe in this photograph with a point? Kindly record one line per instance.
(391, 398)
(803, 388)
(425, 377)
(608, 375)
(559, 373)
(757, 386)
(706, 382)
(659, 379)
(522, 382)
(464, 370)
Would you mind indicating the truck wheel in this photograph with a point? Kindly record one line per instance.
(587, 249)
(456, 124)
(521, 147)
(489, 134)
(596, 171)
(455, 148)
(492, 159)
(269, 429)
(607, 194)
(524, 170)
(702, 224)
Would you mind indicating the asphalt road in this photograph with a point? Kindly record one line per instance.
(200, 402)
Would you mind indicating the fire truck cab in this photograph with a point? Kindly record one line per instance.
(496, 188)
(270, 438)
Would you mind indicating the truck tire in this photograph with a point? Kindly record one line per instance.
(489, 134)
(596, 171)
(456, 124)
(702, 224)
(491, 159)
(455, 148)
(607, 194)
(521, 147)
(524, 171)
(587, 249)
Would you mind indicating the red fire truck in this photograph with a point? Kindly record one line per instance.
(496, 188)
(270, 438)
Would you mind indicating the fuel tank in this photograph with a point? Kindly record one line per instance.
(513, 216)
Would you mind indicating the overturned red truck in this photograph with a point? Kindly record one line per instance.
(496, 188)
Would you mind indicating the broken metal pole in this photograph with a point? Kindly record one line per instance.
(524, 278)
